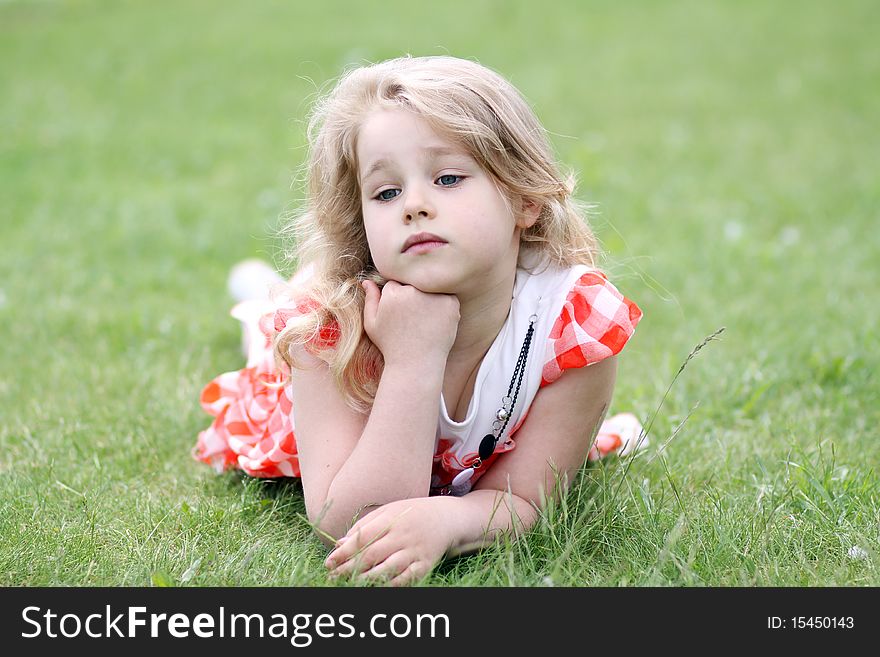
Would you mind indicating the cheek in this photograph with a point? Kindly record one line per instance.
(379, 244)
(493, 230)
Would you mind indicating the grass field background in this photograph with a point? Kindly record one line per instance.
(732, 149)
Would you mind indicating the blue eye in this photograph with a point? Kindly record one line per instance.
(446, 180)
(381, 195)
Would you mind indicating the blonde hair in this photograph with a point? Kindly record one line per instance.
(460, 99)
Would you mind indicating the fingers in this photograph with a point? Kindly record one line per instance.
(368, 543)
(373, 296)
(362, 548)
(389, 544)
(389, 568)
(346, 548)
(371, 303)
(397, 569)
(361, 560)
(414, 572)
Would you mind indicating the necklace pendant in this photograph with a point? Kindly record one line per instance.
(487, 446)
(463, 477)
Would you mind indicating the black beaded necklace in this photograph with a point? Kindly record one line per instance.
(508, 403)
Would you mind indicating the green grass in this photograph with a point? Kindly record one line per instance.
(732, 148)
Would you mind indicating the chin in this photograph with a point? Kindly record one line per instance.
(432, 289)
(427, 283)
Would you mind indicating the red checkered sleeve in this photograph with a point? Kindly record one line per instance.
(595, 322)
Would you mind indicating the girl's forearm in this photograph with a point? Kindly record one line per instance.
(482, 516)
(393, 457)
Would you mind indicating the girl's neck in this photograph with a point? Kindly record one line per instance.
(482, 316)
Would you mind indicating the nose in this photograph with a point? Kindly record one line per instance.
(411, 215)
(417, 205)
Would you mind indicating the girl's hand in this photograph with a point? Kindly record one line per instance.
(400, 542)
(404, 322)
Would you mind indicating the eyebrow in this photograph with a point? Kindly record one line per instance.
(430, 152)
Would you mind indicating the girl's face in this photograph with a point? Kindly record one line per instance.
(415, 181)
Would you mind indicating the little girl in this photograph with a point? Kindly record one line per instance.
(446, 353)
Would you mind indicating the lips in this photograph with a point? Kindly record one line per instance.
(420, 238)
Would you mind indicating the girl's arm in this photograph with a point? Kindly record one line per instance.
(351, 462)
(404, 539)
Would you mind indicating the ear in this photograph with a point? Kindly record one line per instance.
(529, 210)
